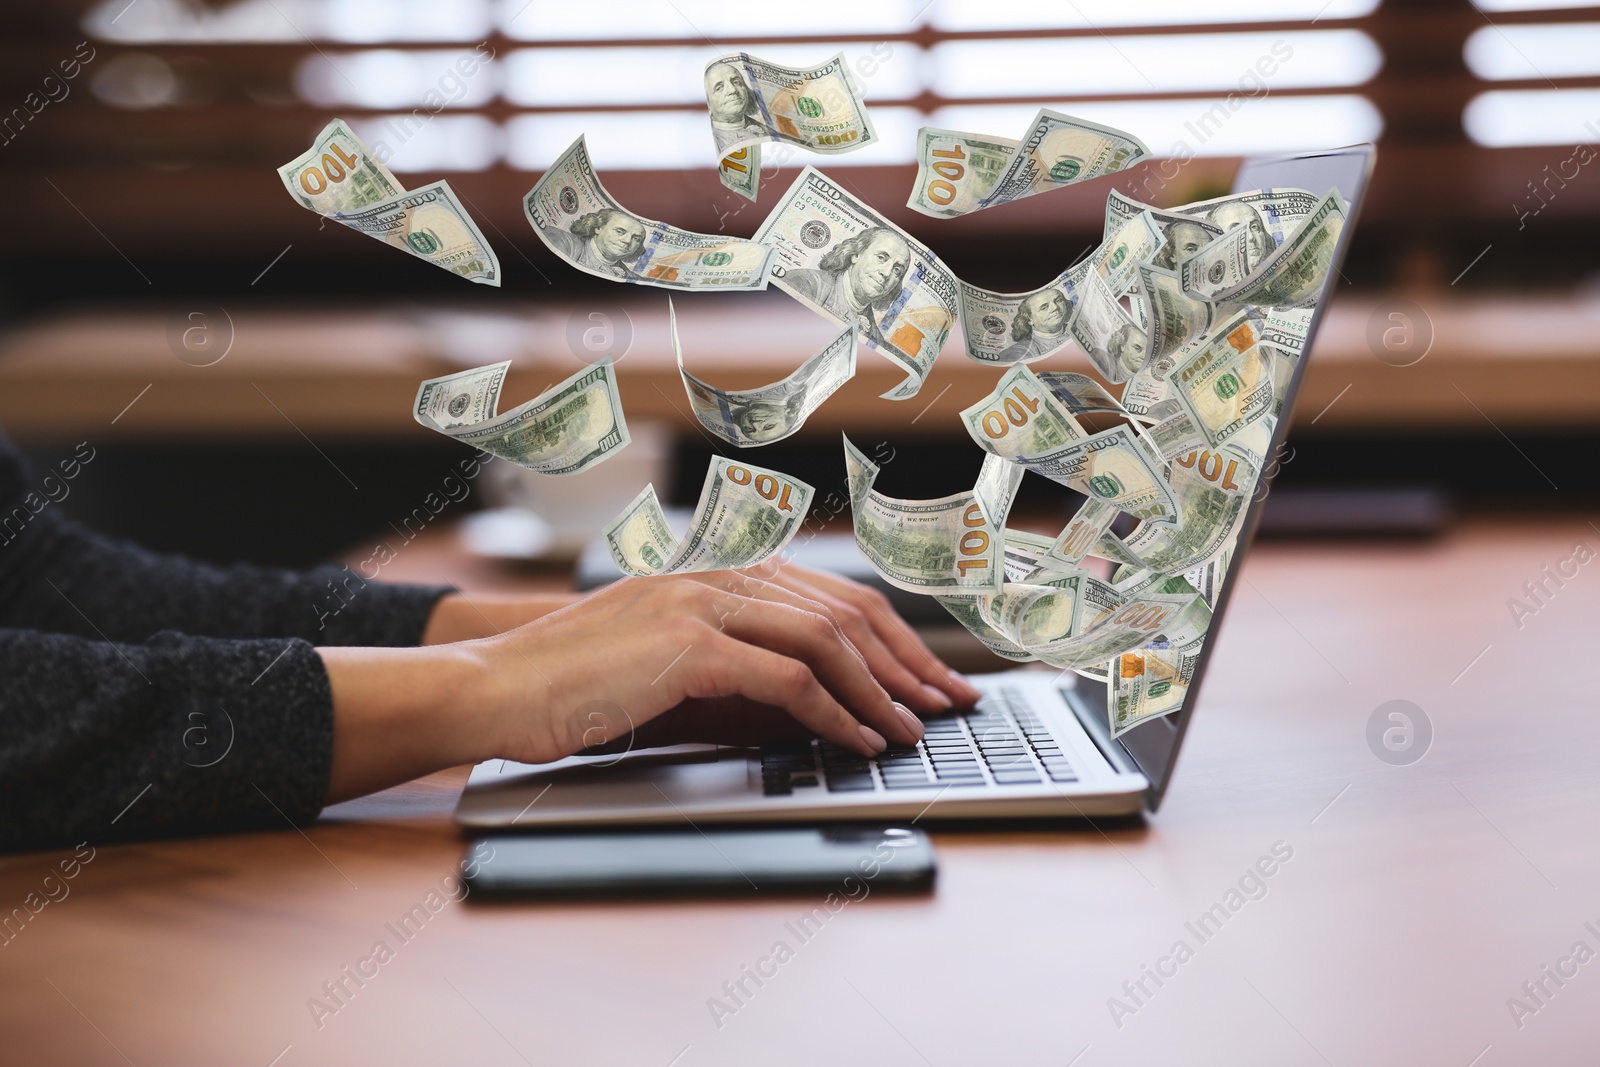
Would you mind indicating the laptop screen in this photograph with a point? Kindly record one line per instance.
(1152, 744)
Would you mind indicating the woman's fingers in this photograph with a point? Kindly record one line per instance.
(894, 632)
(817, 641)
(884, 664)
(734, 667)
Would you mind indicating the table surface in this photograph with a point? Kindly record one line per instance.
(1416, 902)
(285, 373)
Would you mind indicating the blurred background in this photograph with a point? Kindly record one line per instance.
(243, 372)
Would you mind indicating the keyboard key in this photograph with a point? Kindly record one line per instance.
(908, 783)
(803, 780)
(851, 783)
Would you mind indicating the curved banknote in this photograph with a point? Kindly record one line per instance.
(431, 224)
(746, 515)
(1283, 337)
(1113, 466)
(574, 215)
(1007, 328)
(1057, 150)
(1212, 490)
(1172, 430)
(1020, 417)
(967, 610)
(1081, 394)
(752, 417)
(842, 259)
(1272, 216)
(1078, 536)
(956, 170)
(952, 545)
(1138, 240)
(339, 179)
(1290, 275)
(1147, 684)
(1113, 338)
(564, 430)
(337, 174)
(740, 171)
(1175, 318)
(817, 108)
(1179, 228)
(1224, 384)
(1088, 622)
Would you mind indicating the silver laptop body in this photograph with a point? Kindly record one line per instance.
(1037, 745)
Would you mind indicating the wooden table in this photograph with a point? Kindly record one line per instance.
(1418, 898)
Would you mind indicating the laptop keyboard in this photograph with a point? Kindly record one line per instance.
(1000, 743)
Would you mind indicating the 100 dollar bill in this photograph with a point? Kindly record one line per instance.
(841, 258)
(579, 221)
(746, 515)
(950, 546)
(751, 417)
(958, 173)
(816, 108)
(567, 429)
(338, 178)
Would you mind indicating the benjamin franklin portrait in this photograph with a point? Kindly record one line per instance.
(1039, 328)
(605, 241)
(735, 115)
(857, 278)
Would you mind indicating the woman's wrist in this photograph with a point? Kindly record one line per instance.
(469, 617)
(400, 713)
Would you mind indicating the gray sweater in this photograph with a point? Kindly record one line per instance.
(145, 695)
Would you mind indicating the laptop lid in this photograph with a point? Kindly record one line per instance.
(1152, 746)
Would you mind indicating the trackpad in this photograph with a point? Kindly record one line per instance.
(641, 779)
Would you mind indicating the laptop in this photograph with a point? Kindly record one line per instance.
(1037, 744)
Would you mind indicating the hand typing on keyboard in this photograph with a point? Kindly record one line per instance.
(1001, 743)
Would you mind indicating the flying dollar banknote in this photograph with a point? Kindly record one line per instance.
(337, 174)
(740, 171)
(956, 170)
(839, 257)
(1147, 684)
(818, 108)
(751, 417)
(340, 179)
(746, 515)
(1224, 385)
(1289, 275)
(1269, 214)
(1212, 490)
(1114, 340)
(958, 173)
(1009, 328)
(1021, 417)
(950, 546)
(1114, 466)
(574, 215)
(565, 430)
(967, 610)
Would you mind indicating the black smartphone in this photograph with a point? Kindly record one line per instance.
(853, 861)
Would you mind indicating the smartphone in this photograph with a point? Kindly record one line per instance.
(852, 861)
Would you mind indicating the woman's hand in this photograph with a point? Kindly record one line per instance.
(895, 654)
(724, 642)
(726, 656)
(898, 658)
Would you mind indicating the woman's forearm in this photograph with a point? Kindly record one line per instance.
(399, 713)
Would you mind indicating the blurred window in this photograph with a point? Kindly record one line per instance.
(628, 74)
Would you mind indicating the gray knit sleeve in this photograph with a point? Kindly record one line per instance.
(102, 741)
